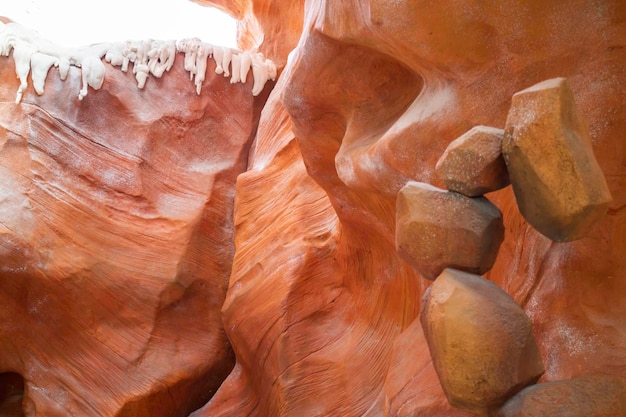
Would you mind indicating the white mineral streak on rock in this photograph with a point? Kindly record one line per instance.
(218, 57)
(189, 47)
(128, 54)
(40, 64)
(22, 52)
(262, 70)
(137, 52)
(64, 67)
(141, 74)
(246, 63)
(226, 58)
(35, 55)
(202, 55)
(115, 56)
(161, 57)
(92, 74)
(235, 67)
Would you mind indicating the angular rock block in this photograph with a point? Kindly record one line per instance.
(473, 164)
(586, 396)
(481, 341)
(438, 229)
(558, 184)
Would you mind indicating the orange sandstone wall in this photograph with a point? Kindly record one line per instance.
(116, 240)
(323, 321)
(128, 270)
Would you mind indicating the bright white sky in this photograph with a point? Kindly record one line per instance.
(83, 22)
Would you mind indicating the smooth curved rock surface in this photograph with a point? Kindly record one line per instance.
(376, 91)
(116, 240)
(272, 27)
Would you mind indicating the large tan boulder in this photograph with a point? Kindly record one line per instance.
(473, 164)
(481, 341)
(558, 184)
(586, 396)
(438, 229)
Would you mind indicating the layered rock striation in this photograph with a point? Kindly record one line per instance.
(116, 240)
(320, 309)
(375, 92)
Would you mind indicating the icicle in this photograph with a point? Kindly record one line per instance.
(36, 56)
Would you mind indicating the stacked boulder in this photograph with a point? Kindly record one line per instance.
(558, 184)
(459, 228)
(438, 229)
(481, 341)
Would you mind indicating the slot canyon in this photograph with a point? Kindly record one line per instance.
(370, 208)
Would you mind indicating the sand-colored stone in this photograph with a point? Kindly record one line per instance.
(473, 164)
(412, 387)
(558, 184)
(481, 341)
(586, 396)
(438, 229)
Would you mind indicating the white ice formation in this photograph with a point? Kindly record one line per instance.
(35, 55)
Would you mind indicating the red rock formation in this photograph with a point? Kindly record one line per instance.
(320, 310)
(593, 395)
(271, 27)
(116, 240)
(376, 91)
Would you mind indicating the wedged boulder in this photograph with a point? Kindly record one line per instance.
(481, 341)
(558, 184)
(586, 396)
(438, 229)
(473, 164)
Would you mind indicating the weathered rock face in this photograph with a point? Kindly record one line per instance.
(272, 27)
(473, 164)
(586, 396)
(558, 183)
(438, 229)
(116, 240)
(481, 341)
(320, 309)
(375, 92)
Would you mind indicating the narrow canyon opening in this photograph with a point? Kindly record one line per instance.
(11, 394)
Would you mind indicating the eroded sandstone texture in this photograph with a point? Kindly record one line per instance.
(375, 92)
(320, 310)
(593, 395)
(116, 240)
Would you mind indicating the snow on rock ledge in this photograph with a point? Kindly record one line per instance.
(36, 55)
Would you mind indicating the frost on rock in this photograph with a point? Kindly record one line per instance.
(36, 55)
